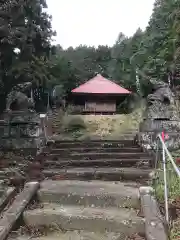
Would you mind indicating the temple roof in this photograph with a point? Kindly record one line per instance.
(100, 85)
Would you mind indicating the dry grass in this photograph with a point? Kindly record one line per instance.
(113, 126)
(98, 126)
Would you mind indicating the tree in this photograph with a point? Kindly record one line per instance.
(25, 36)
(122, 69)
(154, 53)
(161, 40)
(63, 74)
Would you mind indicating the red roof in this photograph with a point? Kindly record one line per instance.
(100, 85)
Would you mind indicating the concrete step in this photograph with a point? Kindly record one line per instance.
(61, 163)
(72, 235)
(97, 143)
(126, 137)
(96, 156)
(94, 193)
(106, 174)
(89, 219)
(63, 151)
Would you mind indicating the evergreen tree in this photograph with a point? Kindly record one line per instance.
(25, 36)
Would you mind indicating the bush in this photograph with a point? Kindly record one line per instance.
(74, 123)
(71, 109)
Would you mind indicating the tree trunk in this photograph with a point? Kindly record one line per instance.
(2, 102)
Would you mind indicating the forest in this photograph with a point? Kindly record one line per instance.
(27, 52)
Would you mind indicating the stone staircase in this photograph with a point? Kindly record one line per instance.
(90, 191)
(54, 118)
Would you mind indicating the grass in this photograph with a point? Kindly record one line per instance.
(175, 231)
(173, 182)
(97, 126)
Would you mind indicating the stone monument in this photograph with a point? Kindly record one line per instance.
(161, 115)
(21, 126)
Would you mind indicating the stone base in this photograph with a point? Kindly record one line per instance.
(21, 130)
(26, 116)
(150, 140)
(21, 143)
(155, 125)
(150, 129)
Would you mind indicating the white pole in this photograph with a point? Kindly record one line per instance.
(170, 157)
(43, 117)
(165, 185)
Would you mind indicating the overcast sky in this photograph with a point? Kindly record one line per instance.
(97, 22)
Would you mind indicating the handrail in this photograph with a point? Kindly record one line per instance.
(165, 152)
(170, 156)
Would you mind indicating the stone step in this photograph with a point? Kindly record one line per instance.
(97, 143)
(11, 171)
(130, 137)
(94, 193)
(89, 219)
(62, 151)
(127, 137)
(145, 162)
(91, 141)
(96, 156)
(72, 235)
(106, 174)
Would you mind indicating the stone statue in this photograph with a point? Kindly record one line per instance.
(17, 100)
(161, 104)
(161, 115)
(21, 126)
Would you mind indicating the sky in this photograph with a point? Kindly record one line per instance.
(97, 22)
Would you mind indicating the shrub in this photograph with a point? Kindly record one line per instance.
(71, 109)
(74, 123)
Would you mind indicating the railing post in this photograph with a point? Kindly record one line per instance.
(165, 152)
(170, 157)
(43, 117)
(165, 184)
(157, 153)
